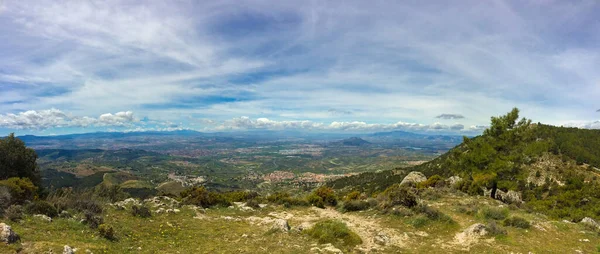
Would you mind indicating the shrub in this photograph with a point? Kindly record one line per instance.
(14, 213)
(112, 193)
(21, 189)
(397, 195)
(107, 232)
(494, 229)
(401, 212)
(315, 200)
(430, 194)
(88, 206)
(334, 232)
(355, 195)
(419, 221)
(93, 220)
(239, 196)
(433, 181)
(41, 207)
(5, 199)
(494, 213)
(326, 194)
(355, 205)
(517, 222)
(140, 211)
(432, 213)
(253, 203)
(200, 196)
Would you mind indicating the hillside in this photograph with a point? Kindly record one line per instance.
(552, 168)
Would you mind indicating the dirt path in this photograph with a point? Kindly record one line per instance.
(374, 235)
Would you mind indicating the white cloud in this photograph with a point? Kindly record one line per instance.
(54, 118)
(246, 123)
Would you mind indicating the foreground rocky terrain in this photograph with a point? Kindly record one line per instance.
(173, 228)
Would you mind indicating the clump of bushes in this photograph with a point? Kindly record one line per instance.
(433, 181)
(322, 196)
(20, 189)
(140, 211)
(5, 199)
(41, 207)
(200, 196)
(107, 232)
(93, 220)
(14, 213)
(239, 196)
(494, 229)
(354, 195)
(494, 213)
(334, 232)
(285, 199)
(432, 213)
(517, 222)
(356, 205)
(397, 195)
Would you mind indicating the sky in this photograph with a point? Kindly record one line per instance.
(322, 66)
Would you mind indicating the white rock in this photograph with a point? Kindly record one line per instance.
(42, 217)
(7, 235)
(68, 250)
(281, 224)
(590, 222)
(413, 177)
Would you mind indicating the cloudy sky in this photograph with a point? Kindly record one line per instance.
(362, 66)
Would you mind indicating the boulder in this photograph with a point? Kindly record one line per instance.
(453, 180)
(510, 197)
(281, 225)
(68, 250)
(7, 235)
(413, 178)
(381, 239)
(42, 217)
(476, 230)
(590, 222)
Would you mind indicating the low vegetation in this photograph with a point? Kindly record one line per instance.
(334, 232)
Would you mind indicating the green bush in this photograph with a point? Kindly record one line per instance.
(355, 205)
(419, 221)
(494, 213)
(107, 232)
(41, 207)
(253, 203)
(433, 181)
(397, 195)
(88, 206)
(355, 195)
(432, 213)
(315, 200)
(200, 196)
(326, 194)
(334, 232)
(517, 222)
(285, 199)
(93, 220)
(5, 199)
(494, 229)
(14, 213)
(240, 196)
(21, 189)
(140, 211)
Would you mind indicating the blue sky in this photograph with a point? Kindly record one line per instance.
(353, 66)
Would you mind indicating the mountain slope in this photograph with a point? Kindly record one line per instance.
(554, 169)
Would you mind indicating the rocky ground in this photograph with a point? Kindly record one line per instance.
(272, 229)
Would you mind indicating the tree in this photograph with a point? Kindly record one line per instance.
(492, 160)
(16, 160)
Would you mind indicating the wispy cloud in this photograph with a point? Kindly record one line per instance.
(450, 116)
(320, 61)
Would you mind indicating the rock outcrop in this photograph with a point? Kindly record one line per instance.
(68, 250)
(509, 197)
(453, 180)
(471, 234)
(7, 235)
(413, 178)
(42, 217)
(590, 222)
